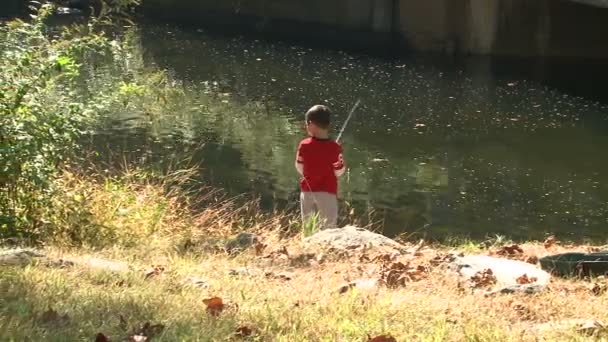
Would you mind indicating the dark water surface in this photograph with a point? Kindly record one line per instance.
(474, 147)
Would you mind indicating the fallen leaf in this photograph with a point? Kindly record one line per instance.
(510, 250)
(524, 279)
(153, 271)
(215, 305)
(597, 289)
(101, 338)
(381, 338)
(485, 278)
(243, 331)
(533, 259)
(259, 248)
(550, 241)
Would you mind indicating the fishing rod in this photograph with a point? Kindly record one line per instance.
(352, 111)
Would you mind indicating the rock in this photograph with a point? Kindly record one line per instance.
(241, 242)
(351, 237)
(506, 271)
(18, 257)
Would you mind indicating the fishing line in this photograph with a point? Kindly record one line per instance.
(352, 111)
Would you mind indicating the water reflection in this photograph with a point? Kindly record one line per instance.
(439, 147)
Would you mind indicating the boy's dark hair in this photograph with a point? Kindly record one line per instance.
(319, 115)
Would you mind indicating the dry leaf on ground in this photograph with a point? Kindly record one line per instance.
(243, 331)
(485, 278)
(524, 279)
(215, 305)
(259, 248)
(153, 271)
(597, 289)
(101, 338)
(532, 259)
(381, 338)
(550, 241)
(510, 250)
(397, 273)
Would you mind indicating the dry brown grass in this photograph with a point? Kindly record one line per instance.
(291, 298)
(175, 262)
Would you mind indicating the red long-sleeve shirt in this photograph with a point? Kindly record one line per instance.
(320, 162)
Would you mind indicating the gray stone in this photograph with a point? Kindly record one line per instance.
(241, 242)
(18, 257)
(506, 272)
(351, 237)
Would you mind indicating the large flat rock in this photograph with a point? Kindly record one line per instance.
(18, 257)
(351, 237)
(506, 271)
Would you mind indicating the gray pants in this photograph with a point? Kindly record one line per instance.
(323, 203)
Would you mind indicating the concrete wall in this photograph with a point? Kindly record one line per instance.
(505, 27)
(565, 28)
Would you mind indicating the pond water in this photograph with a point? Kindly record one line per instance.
(471, 147)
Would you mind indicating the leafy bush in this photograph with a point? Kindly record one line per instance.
(43, 109)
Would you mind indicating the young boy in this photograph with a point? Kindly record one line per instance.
(319, 161)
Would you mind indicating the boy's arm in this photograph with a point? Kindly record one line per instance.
(339, 165)
(299, 163)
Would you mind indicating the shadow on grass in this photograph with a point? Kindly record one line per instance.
(94, 302)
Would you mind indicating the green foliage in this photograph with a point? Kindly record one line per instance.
(43, 109)
(311, 225)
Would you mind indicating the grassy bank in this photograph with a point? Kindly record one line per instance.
(146, 249)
